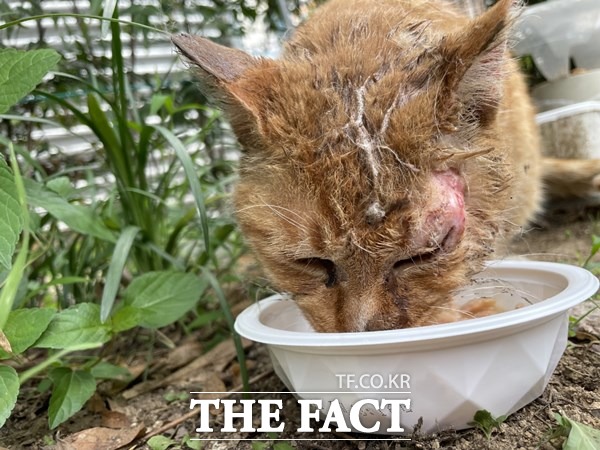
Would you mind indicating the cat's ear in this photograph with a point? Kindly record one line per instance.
(220, 70)
(476, 67)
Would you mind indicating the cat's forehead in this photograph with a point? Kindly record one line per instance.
(313, 113)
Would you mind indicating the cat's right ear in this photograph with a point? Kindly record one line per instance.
(220, 70)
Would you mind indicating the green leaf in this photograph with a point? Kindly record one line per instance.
(486, 422)
(115, 270)
(21, 71)
(164, 297)
(62, 186)
(595, 244)
(13, 281)
(581, 436)
(258, 445)
(107, 371)
(191, 443)
(11, 216)
(60, 281)
(77, 325)
(79, 218)
(157, 102)
(205, 319)
(192, 177)
(125, 318)
(71, 390)
(160, 442)
(593, 249)
(108, 11)
(25, 326)
(9, 387)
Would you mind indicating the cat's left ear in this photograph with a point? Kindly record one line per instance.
(223, 74)
(476, 67)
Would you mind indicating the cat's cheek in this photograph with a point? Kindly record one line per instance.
(320, 311)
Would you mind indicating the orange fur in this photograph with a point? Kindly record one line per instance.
(344, 138)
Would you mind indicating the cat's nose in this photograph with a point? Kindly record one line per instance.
(383, 322)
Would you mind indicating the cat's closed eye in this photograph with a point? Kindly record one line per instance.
(447, 243)
(417, 259)
(322, 266)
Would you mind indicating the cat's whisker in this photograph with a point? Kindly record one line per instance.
(274, 208)
(287, 219)
(507, 289)
(537, 255)
(460, 311)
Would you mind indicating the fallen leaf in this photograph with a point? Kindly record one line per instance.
(100, 438)
(180, 356)
(210, 382)
(218, 357)
(115, 420)
(96, 404)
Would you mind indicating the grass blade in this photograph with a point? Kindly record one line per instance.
(113, 277)
(190, 173)
(109, 10)
(11, 216)
(11, 284)
(239, 348)
(21, 20)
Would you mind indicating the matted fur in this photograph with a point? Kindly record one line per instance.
(346, 138)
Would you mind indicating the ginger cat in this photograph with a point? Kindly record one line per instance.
(385, 154)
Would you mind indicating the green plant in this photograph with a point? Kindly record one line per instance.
(95, 261)
(594, 248)
(593, 267)
(487, 423)
(282, 445)
(577, 436)
(160, 442)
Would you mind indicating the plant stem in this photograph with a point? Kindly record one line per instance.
(11, 285)
(79, 16)
(30, 373)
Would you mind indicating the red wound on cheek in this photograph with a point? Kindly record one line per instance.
(445, 221)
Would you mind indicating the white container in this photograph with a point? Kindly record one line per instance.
(584, 87)
(572, 131)
(554, 32)
(498, 363)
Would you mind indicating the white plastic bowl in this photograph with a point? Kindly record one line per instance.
(571, 131)
(498, 363)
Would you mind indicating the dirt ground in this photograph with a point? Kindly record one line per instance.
(128, 414)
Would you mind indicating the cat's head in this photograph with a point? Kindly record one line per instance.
(371, 183)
